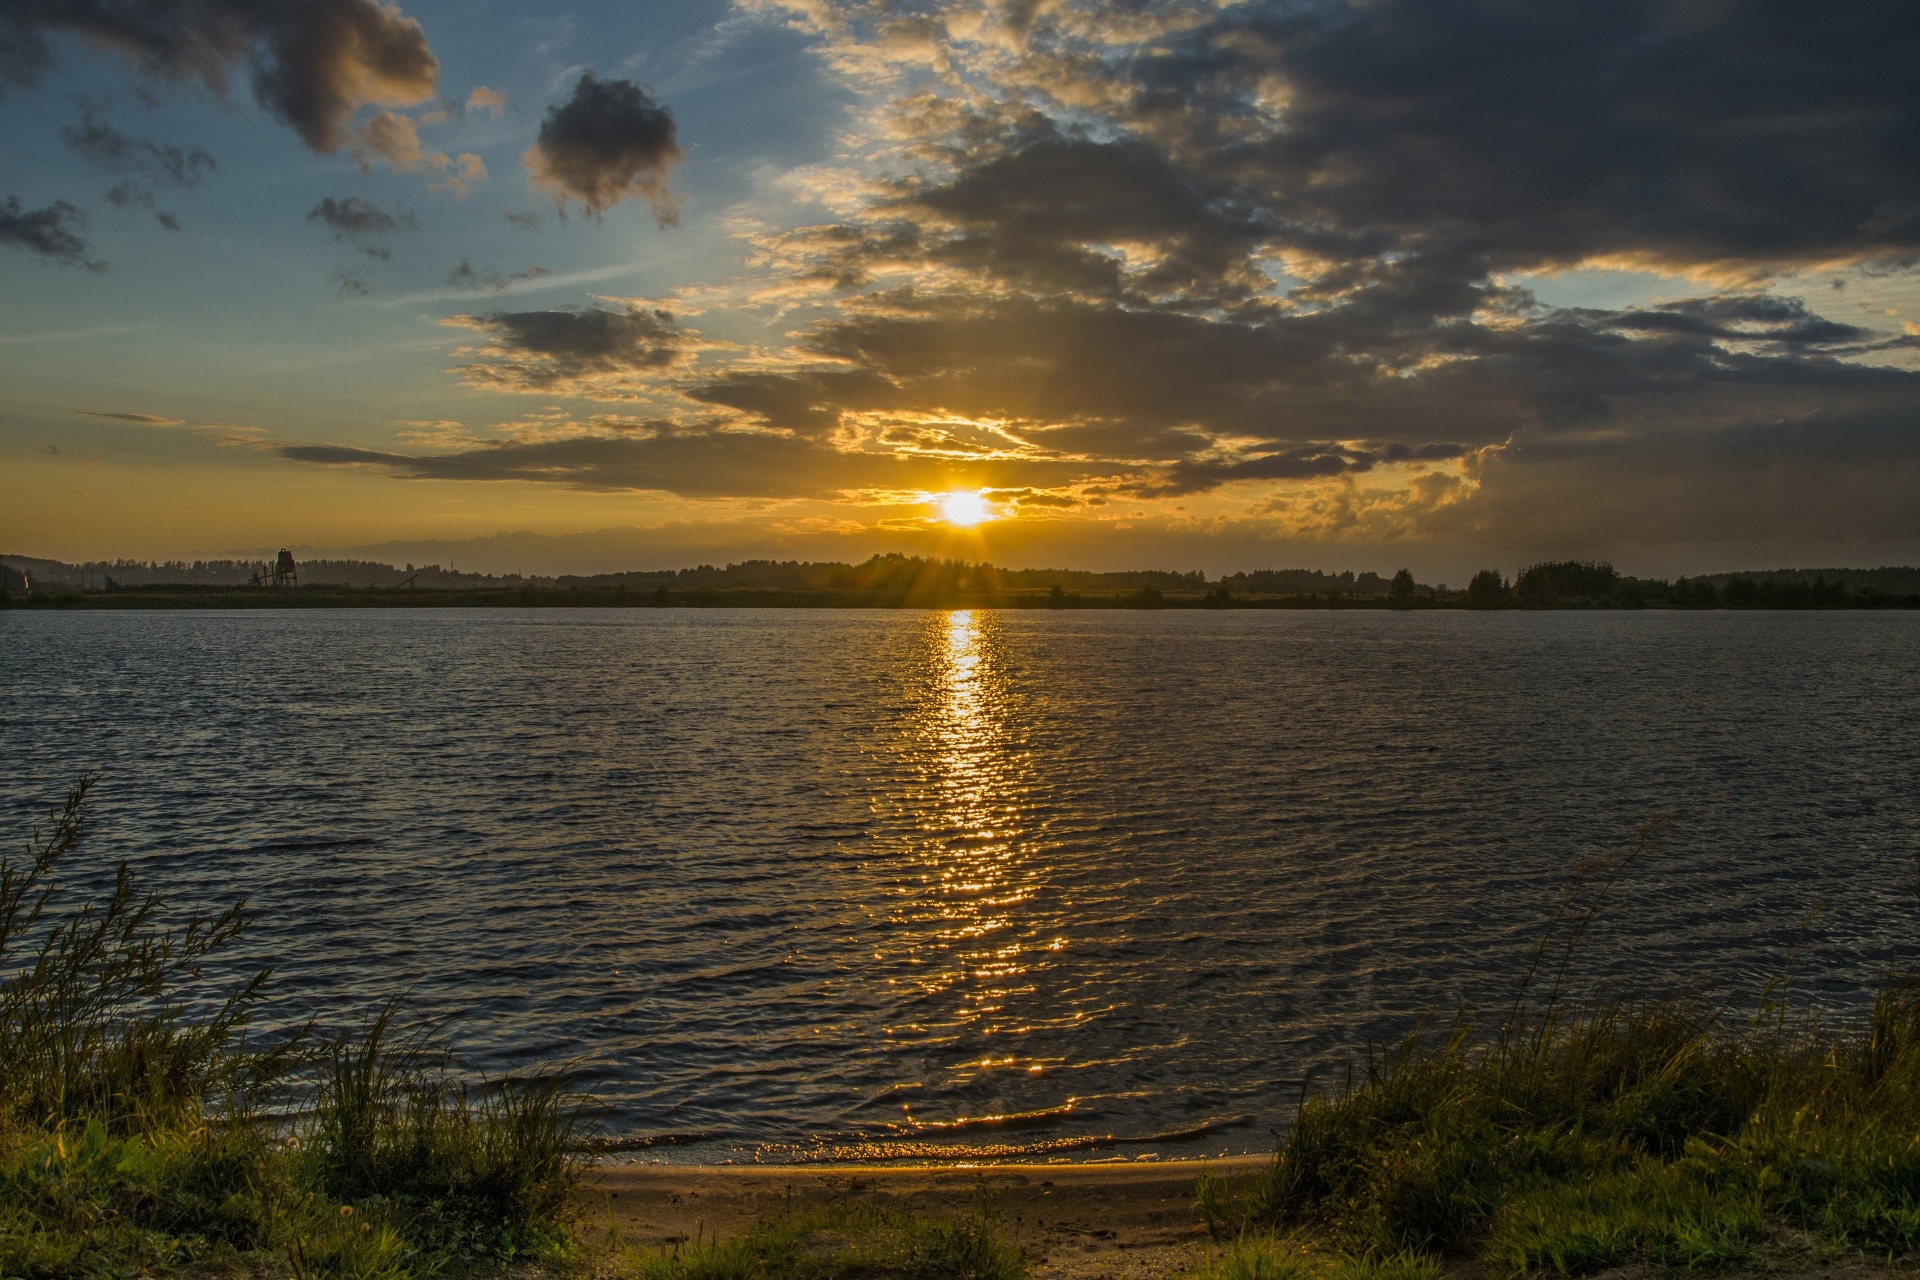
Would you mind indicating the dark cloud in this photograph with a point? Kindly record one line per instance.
(149, 164)
(1185, 402)
(357, 216)
(1776, 480)
(1783, 325)
(466, 276)
(609, 142)
(312, 63)
(1739, 135)
(52, 231)
(1309, 462)
(690, 463)
(359, 220)
(593, 352)
(1379, 146)
(806, 403)
(1051, 212)
(158, 164)
(141, 419)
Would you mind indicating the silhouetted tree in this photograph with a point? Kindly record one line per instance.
(1566, 581)
(1488, 590)
(1400, 590)
(1696, 593)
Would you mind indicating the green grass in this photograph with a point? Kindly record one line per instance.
(846, 1242)
(145, 1128)
(1569, 1140)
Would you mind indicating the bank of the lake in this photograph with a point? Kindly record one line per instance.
(327, 596)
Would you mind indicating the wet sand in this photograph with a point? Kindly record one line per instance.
(1113, 1221)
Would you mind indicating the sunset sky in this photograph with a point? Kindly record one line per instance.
(547, 288)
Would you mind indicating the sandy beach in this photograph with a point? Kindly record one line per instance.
(1108, 1221)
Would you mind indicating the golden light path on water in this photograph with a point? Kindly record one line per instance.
(975, 860)
(974, 922)
(961, 916)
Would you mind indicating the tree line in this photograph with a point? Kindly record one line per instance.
(1561, 584)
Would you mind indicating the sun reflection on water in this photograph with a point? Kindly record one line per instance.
(973, 874)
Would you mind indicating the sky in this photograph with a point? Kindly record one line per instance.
(1444, 284)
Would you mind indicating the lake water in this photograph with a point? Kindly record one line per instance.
(802, 884)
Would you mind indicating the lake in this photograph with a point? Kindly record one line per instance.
(800, 884)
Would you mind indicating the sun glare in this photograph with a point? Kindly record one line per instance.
(965, 509)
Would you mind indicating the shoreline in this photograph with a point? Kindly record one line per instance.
(1121, 1219)
(266, 599)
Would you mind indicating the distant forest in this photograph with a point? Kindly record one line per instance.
(895, 579)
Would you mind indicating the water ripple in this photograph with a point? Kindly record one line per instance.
(803, 885)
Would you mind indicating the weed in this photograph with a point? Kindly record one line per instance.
(143, 1128)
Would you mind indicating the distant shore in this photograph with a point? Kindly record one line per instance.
(327, 596)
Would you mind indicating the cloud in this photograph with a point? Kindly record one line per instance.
(1308, 462)
(610, 141)
(395, 139)
(468, 170)
(1758, 321)
(149, 164)
(1265, 243)
(593, 352)
(466, 276)
(1256, 261)
(1771, 481)
(691, 463)
(359, 220)
(490, 100)
(312, 64)
(356, 216)
(140, 419)
(1725, 140)
(52, 231)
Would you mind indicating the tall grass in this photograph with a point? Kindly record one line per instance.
(144, 1125)
(1572, 1138)
(91, 1020)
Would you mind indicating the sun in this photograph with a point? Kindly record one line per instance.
(965, 509)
